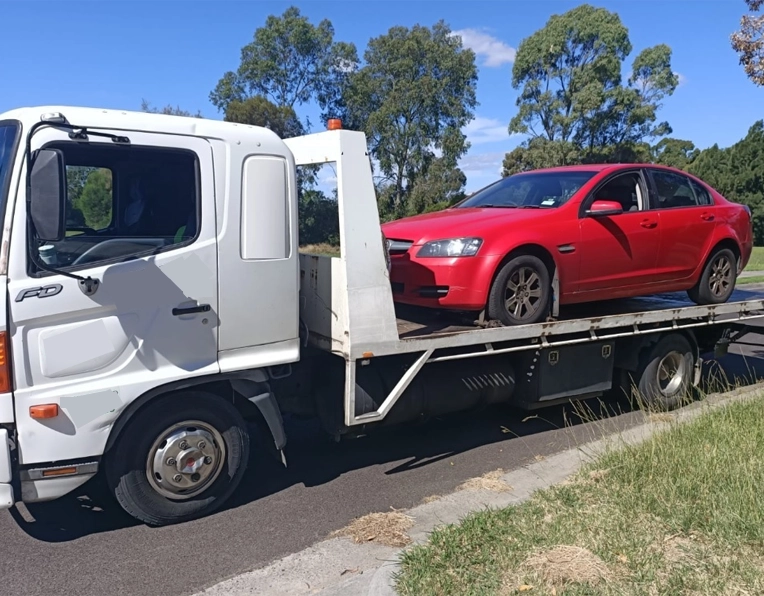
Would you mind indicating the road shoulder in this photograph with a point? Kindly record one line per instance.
(341, 567)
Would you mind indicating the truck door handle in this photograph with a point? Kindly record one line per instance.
(707, 217)
(648, 223)
(176, 312)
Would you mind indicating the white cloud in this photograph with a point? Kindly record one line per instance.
(494, 51)
(481, 169)
(682, 79)
(486, 130)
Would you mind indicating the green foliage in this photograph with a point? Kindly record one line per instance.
(169, 110)
(289, 62)
(319, 219)
(573, 103)
(412, 97)
(258, 111)
(676, 153)
(95, 200)
(737, 172)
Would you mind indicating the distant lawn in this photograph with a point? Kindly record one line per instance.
(741, 281)
(323, 250)
(757, 259)
(678, 514)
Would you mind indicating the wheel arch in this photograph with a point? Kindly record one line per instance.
(725, 241)
(530, 248)
(261, 411)
(630, 351)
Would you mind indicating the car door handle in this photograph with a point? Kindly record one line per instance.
(648, 223)
(176, 312)
(707, 217)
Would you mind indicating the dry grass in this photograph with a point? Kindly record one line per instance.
(677, 514)
(388, 528)
(325, 250)
(564, 564)
(492, 481)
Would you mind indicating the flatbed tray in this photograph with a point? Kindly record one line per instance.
(415, 322)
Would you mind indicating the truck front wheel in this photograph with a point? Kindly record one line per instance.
(179, 458)
(664, 377)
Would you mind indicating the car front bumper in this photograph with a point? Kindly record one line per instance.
(454, 283)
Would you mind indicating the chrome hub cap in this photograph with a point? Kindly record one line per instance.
(721, 276)
(672, 371)
(185, 459)
(523, 295)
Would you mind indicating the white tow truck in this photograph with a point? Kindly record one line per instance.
(145, 319)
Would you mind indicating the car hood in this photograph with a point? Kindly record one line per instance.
(453, 223)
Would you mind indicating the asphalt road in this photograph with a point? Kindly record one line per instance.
(83, 544)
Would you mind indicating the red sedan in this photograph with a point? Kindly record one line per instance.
(605, 231)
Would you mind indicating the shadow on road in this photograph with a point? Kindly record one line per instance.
(314, 459)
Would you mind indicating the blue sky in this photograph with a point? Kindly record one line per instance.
(112, 54)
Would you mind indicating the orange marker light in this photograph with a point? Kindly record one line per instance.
(334, 124)
(59, 472)
(5, 364)
(43, 411)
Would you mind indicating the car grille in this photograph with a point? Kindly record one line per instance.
(398, 247)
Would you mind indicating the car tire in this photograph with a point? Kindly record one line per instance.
(143, 470)
(717, 281)
(664, 378)
(521, 293)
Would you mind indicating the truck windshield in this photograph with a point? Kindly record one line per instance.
(8, 137)
(530, 190)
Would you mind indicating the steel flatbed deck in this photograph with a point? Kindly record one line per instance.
(415, 323)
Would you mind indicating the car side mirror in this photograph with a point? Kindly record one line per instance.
(47, 194)
(605, 208)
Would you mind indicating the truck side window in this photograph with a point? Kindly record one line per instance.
(125, 202)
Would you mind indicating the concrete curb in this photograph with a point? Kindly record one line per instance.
(370, 568)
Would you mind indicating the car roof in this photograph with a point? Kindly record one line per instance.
(599, 167)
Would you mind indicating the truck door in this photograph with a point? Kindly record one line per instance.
(140, 221)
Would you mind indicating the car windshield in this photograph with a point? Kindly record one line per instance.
(8, 134)
(531, 190)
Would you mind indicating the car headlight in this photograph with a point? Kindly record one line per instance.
(451, 247)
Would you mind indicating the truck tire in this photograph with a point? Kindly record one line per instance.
(664, 378)
(717, 282)
(179, 458)
(521, 293)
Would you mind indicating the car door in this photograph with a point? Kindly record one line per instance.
(142, 223)
(688, 221)
(618, 251)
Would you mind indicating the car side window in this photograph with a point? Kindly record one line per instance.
(703, 196)
(124, 202)
(625, 189)
(673, 190)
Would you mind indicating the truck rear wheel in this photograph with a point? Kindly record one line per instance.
(179, 458)
(664, 378)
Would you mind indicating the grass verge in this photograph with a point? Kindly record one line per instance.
(756, 262)
(677, 514)
(750, 280)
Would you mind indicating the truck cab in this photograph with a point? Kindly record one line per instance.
(141, 254)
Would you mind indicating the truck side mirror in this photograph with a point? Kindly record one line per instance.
(47, 194)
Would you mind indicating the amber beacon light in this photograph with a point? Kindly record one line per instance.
(334, 124)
